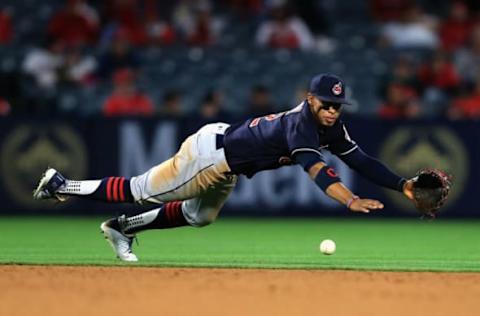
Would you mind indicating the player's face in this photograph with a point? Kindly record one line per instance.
(326, 113)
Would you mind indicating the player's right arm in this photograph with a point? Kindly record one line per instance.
(326, 178)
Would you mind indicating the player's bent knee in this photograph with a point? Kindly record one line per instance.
(204, 218)
(204, 221)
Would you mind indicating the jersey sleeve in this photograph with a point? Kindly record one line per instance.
(307, 159)
(344, 144)
(301, 135)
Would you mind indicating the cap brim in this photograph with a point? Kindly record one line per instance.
(333, 99)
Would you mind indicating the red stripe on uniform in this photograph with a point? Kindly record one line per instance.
(178, 206)
(179, 218)
(122, 195)
(115, 189)
(109, 189)
(168, 207)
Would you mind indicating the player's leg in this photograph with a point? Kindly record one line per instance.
(112, 189)
(119, 233)
(199, 164)
(163, 177)
(203, 210)
(197, 212)
(198, 173)
(174, 179)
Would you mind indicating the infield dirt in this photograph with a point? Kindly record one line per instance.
(61, 291)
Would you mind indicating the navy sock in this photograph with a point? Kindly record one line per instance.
(115, 190)
(169, 215)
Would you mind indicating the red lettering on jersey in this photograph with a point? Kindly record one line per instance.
(255, 122)
(271, 117)
(331, 173)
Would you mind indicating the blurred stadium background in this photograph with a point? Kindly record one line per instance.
(97, 88)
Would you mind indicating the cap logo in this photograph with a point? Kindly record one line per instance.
(337, 88)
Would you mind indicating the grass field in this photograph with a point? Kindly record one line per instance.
(403, 245)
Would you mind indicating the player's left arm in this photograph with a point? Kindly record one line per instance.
(327, 180)
(372, 169)
(377, 172)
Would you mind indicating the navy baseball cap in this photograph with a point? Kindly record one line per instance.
(327, 87)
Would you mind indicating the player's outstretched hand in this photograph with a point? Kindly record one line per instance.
(408, 189)
(365, 205)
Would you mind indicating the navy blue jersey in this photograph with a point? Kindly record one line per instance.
(271, 141)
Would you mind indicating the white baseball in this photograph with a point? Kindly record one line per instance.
(327, 247)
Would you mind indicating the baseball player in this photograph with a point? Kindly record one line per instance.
(191, 187)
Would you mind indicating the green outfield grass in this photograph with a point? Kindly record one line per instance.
(408, 245)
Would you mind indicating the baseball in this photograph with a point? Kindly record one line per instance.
(327, 247)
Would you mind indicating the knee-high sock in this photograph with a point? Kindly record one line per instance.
(169, 215)
(111, 189)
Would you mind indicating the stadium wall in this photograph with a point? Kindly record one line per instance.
(97, 147)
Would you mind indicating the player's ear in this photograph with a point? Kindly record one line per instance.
(309, 97)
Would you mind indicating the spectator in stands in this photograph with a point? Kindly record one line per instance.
(6, 28)
(468, 106)
(414, 30)
(439, 73)
(124, 15)
(260, 102)
(120, 10)
(389, 10)
(159, 32)
(402, 72)
(43, 64)
(197, 23)
(141, 22)
(119, 55)
(246, 8)
(284, 30)
(456, 29)
(141, 25)
(440, 82)
(319, 18)
(76, 24)
(78, 68)
(41, 69)
(172, 105)
(317, 15)
(126, 99)
(401, 103)
(467, 60)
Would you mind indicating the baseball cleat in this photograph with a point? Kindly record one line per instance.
(120, 242)
(50, 183)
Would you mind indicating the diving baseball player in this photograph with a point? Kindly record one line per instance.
(191, 187)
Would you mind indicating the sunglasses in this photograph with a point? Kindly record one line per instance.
(327, 105)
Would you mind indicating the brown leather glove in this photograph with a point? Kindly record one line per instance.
(430, 190)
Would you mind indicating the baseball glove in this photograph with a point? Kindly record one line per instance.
(430, 191)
